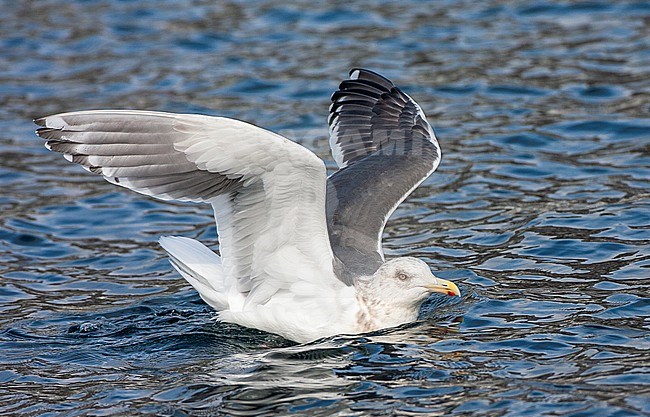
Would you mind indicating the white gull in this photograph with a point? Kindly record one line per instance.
(300, 252)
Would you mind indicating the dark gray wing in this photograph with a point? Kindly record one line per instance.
(385, 148)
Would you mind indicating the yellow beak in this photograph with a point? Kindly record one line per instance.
(445, 287)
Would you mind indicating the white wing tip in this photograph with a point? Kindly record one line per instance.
(165, 240)
(54, 122)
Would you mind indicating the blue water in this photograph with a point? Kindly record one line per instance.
(540, 209)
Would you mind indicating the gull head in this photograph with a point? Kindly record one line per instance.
(408, 281)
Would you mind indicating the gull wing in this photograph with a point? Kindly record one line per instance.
(268, 193)
(384, 147)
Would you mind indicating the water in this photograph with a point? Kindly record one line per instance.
(540, 209)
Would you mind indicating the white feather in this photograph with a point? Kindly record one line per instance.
(200, 266)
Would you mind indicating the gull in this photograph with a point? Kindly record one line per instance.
(300, 252)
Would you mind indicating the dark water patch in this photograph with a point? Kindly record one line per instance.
(508, 90)
(598, 93)
(611, 130)
(563, 9)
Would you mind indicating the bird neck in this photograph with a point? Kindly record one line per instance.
(375, 313)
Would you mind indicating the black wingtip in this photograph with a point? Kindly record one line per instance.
(46, 132)
(366, 70)
(363, 74)
(353, 69)
(40, 132)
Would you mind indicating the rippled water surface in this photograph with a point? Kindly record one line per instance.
(540, 210)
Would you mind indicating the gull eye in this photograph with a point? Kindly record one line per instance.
(402, 276)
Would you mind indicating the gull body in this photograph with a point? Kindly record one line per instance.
(300, 252)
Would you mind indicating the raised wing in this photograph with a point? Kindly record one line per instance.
(385, 148)
(267, 192)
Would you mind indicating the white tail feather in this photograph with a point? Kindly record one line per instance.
(200, 266)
